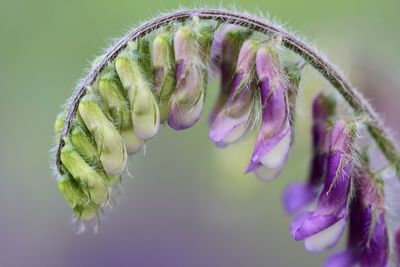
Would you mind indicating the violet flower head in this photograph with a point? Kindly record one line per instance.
(322, 228)
(298, 195)
(368, 243)
(274, 139)
(236, 117)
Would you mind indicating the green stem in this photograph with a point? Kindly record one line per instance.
(289, 40)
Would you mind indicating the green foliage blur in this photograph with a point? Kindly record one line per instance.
(188, 202)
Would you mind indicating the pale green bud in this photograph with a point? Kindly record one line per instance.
(109, 142)
(84, 145)
(80, 203)
(84, 174)
(164, 72)
(144, 109)
(110, 91)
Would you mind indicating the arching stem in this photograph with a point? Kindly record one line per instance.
(327, 70)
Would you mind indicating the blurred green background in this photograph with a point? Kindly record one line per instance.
(189, 203)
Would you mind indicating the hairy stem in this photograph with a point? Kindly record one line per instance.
(327, 70)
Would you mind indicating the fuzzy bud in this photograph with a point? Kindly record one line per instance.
(109, 142)
(80, 203)
(111, 93)
(144, 109)
(188, 100)
(85, 175)
(163, 72)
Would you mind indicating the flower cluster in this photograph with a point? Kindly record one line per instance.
(162, 79)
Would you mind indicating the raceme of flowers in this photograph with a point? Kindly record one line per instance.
(162, 77)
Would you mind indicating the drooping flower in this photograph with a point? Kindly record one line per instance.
(322, 228)
(274, 139)
(191, 45)
(224, 56)
(298, 195)
(368, 243)
(236, 116)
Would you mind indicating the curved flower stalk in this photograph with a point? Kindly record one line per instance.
(153, 76)
(299, 195)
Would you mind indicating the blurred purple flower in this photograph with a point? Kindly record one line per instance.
(298, 195)
(322, 228)
(368, 241)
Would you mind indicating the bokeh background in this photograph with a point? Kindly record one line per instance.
(188, 203)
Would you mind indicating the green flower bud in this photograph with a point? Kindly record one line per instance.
(110, 91)
(84, 145)
(109, 142)
(84, 174)
(80, 203)
(163, 72)
(144, 109)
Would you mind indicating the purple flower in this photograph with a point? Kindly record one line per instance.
(224, 55)
(236, 117)
(298, 195)
(397, 245)
(368, 241)
(322, 228)
(274, 139)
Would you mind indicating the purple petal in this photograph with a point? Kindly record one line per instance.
(375, 250)
(234, 119)
(346, 258)
(397, 245)
(327, 238)
(297, 196)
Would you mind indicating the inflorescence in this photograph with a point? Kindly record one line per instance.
(161, 78)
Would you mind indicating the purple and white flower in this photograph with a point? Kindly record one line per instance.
(322, 228)
(298, 195)
(236, 117)
(275, 136)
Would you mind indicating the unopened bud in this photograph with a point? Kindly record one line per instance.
(109, 143)
(84, 174)
(111, 92)
(164, 72)
(144, 109)
(80, 203)
(188, 100)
